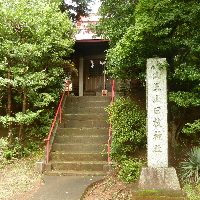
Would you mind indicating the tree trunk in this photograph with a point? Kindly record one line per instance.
(9, 106)
(21, 128)
(174, 131)
(172, 134)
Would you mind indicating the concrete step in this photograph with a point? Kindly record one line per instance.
(79, 166)
(88, 98)
(89, 93)
(83, 104)
(81, 139)
(63, 156)
(92, 116)
(79, 148)
(84, 124)
(84, 110)
(82, 131)
(75, 173)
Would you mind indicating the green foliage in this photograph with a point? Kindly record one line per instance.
(130, 170)
(144, 29)
(192, 192)
(35, 39)
(117, 15)
(76, 8)
(191, 166)
(128, 128)
(11, 152)
(17, 149)
(185, 99)
(21, 118)
(192, 128)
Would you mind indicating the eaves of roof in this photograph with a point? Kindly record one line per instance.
(97, 40)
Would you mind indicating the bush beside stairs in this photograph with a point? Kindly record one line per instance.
(79, 147)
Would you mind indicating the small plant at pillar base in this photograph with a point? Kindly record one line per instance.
(191, 166)
(193, 192)
(130, 169)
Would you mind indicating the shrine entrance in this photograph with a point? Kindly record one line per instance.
(95, 80)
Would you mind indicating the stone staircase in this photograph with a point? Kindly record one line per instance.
(79, 147)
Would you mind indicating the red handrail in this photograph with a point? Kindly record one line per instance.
(110, 126)
(59, 110)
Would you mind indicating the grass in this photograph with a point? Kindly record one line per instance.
(162, 195)
(19, 177)
(193, 192)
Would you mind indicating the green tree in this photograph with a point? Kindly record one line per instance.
(117, 17)
(160, 28)
(76, 8)
(35, 38)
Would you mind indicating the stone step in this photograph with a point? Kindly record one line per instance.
(79, 148)
(84, 110)
(89, 93)
(63, 156)
(82, 131)
(88, 98)
(83, 124)
(83, 104)
(81, 139)
(75, 173)
(94, 117)
(79, 166)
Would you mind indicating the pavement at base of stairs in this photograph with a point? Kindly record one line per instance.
(63, 187)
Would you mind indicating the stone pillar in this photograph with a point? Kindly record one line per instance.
(157, 175)
(157, 128)
(80, 73)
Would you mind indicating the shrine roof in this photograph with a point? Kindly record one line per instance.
(86, 35)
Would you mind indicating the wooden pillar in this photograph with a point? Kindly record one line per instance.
(81, 76)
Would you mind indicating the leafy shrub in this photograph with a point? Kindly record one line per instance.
(128, 128)
(193, 192)
(32, 141)
(130, 170)
(3, 144)
(191, 166)
(192, 129)
(17, 149)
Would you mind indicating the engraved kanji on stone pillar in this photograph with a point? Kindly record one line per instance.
(157, 128)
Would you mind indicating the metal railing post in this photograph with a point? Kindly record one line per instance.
(68, 84)
(48, 150)
(110, 126)
(58, 114)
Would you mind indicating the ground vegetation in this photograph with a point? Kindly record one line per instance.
(19, 180)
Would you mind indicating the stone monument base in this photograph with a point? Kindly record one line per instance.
(162, 179)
